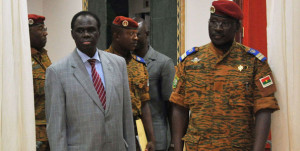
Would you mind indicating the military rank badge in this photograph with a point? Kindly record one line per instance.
(196, 60)
(175, 81)
(266, 81)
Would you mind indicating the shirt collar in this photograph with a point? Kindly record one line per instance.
(85, 57)
(219, 54)
(35, 52)
(149, 54)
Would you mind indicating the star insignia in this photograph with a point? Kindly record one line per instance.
(252, 51)
(240, 68)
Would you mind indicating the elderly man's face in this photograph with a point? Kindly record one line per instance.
(127, 39)
(86, 33)
(38, 36)
(222, 30)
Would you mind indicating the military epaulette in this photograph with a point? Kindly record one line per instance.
(257, 54)
(187, 53)
(140, 59)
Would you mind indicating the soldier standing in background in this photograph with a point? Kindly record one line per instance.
(124, 41)
(161, 74)
(40, 62)
(227, 87)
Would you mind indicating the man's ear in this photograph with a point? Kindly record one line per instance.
(238, 26)
(115, 36)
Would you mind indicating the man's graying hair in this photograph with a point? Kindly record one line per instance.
(85, 13)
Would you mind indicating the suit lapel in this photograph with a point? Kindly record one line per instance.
(84, 79)
(150, 56)
(108, 77)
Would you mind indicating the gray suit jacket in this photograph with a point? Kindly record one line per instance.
(161, 74)
(76, 120)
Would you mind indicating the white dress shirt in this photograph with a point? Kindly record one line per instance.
(88, 66)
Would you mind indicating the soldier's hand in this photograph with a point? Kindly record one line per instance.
(150, 146)
(171, 149)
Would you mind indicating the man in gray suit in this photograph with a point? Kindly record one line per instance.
(88, 104)
(161, 74)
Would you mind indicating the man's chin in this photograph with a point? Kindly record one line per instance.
(137, 48)
(86, 48)
(218, 42)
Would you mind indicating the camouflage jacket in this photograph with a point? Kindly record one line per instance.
(138, 82)
(40, 62)
(223, 92)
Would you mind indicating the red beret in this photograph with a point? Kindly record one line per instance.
(227, 8)
(125, 22)
(34, 19)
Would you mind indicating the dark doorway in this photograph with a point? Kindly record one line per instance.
(160, 15)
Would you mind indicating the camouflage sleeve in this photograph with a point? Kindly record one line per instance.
(177, 95)
(38, 83)
(144, 92)
(264, 88)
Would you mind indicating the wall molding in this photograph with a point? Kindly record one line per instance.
(180, 28)
(85, 4)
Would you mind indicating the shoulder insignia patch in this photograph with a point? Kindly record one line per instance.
(140, 59)
(257, 54)
(187, 53)
(175, 82)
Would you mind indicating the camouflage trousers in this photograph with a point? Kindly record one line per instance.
(41, 136)
(208, 147)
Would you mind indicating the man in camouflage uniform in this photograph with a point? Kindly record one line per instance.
(40, 61)
(124, 41)
(227, 87)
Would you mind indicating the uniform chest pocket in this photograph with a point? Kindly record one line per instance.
(192, 70)
(196, 87)
(239, 94)
(195, 92)
(196, 74)
(39, 83)
(139, 83)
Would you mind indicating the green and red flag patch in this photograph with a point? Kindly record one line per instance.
(175, 82)
(266, 81)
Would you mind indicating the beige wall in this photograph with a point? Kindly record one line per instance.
(196, 22)
(35, 7)
(58, 15)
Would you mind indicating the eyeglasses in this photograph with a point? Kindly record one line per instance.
(224, 25)
(42, 28)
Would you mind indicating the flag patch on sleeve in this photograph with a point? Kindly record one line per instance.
(266, 81)
(175, 81)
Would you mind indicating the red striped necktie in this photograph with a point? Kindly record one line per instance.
(98, 83)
